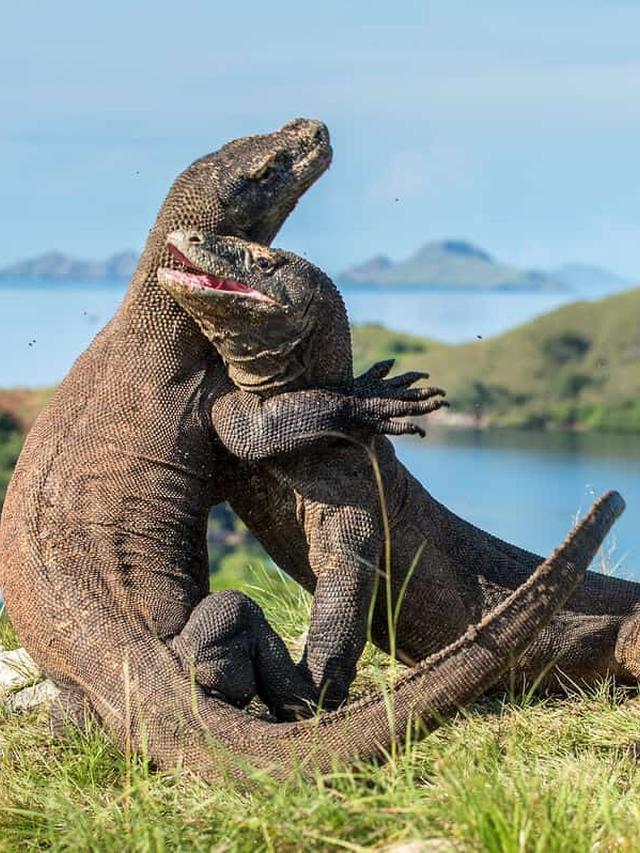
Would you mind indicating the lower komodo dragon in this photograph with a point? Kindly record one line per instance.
(102, 538)
(288, 331)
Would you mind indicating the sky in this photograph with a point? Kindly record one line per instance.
(514, 125)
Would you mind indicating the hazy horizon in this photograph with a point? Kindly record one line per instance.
(355, 263)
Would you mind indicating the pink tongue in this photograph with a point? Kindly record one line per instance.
(226, 284)
(208, 280)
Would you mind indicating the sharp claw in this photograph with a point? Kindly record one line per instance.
(421, 394)
(406, 379)
(382, 368)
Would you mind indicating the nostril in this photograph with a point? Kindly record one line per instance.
(195, 238)
(319, 134)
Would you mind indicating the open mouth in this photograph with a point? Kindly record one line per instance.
(191, 276)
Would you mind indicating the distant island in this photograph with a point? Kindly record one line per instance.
(438, 265)
(460, 265)
(54, 266)
(584, 278)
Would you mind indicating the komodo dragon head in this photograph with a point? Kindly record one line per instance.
(246, 188)
(270, 313)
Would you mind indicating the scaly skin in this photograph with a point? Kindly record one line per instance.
(319, 513)
(102, 545)
(102, 538)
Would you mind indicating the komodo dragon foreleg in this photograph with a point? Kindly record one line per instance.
(343, 524)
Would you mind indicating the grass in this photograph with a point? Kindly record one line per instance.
(512, 774)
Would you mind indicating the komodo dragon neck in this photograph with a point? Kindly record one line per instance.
(247, 188)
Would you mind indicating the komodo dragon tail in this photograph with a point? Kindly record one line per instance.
(180, 725)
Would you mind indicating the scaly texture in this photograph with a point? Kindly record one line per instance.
(282, 325)
(102, 539)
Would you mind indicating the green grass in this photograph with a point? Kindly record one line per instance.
(8, 639)
(510, 775)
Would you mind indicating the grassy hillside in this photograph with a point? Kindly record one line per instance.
(577, 366)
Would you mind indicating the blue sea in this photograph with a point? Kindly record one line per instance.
(526, 487)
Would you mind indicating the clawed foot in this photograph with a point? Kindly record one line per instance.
(234, 655)
(377, 400)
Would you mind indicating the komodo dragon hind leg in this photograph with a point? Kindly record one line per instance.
(233, 653)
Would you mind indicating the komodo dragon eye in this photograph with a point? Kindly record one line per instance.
(264, 264)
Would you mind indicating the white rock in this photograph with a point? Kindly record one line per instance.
(16, 668)
(31, 697)
(428, 845)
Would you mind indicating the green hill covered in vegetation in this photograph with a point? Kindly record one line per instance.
(577, 367)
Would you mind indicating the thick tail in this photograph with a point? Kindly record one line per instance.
(179, 725)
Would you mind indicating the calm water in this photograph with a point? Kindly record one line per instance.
(448, 317)
(524, 487)
(528, 487)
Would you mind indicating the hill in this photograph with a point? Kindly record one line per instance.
(450, 264)
(54, 266)
(577, 367)
(585, 278)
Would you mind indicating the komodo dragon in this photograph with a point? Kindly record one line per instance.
(102, 538)
(103, 531)
(321, 507)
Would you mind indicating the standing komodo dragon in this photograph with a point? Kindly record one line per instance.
(103, 532)
(284, 328)
(102, 539)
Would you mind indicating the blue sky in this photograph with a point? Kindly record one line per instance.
(514, 125)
